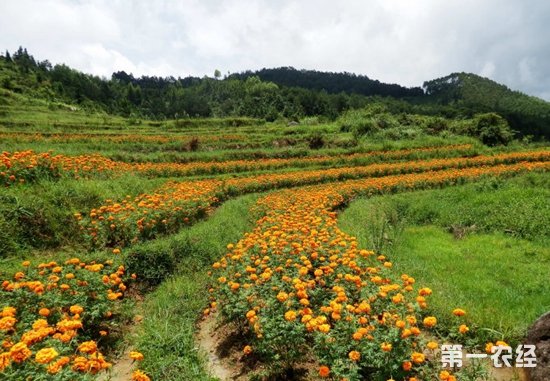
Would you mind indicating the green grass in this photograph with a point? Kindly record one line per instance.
(166, 336)
(40, 216)
(498, 271)
(501, 281)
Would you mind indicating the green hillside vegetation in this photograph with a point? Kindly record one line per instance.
(463, 104)
(526, 114)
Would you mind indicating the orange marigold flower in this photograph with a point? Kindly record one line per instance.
(418, 358)
(324, 371)
(76, 309)
(463, 329)
(407, 365)
(247, 350)
(386, 347)
(425, 291)
(282, 296)
(138, 375)
(5, 360)
(354, 356)
(459, 312)
(290, 315)
(430, 321)
(88, 347)
(136, 356)
(44, 312)
(432, 345)
(8, 311)
(7, 323)
(20, 352)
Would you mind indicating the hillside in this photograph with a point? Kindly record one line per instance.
(269, 94)
(332, 83)
(527, 114)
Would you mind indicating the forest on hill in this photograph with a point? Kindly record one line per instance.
(270, 94)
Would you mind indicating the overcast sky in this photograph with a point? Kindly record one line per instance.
(397, 41)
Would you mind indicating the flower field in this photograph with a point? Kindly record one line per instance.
(295, 287)
(300, 283)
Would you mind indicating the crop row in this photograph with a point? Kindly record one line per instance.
(29, 166)
(54, 318)
(298, 287)
(179, 203)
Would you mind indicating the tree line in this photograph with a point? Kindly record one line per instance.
(269, 94)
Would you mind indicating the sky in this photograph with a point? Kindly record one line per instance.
(395, 41)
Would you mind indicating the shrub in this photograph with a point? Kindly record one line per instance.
(316, 141)
(154, 262)
(193, 144)
(492, 129)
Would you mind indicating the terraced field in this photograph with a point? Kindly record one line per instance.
(118, 240)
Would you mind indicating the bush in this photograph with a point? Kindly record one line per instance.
(153, 262)
(316, 141)
(492, 129)
(193, 144)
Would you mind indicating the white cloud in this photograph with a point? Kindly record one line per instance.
(399, 41)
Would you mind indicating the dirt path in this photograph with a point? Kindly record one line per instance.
(123, 366)
(221, 360)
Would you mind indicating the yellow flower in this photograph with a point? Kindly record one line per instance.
(432, 345)
(282, 296)
(136, 356)
(290, 316)
(45, 355)
(430, 321)
(247, 350)
(463, 329)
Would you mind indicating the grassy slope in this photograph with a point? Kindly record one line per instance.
(500, 279)
(166, 336)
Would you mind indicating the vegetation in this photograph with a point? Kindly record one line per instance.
(446, 238)
(274, 94)
(126, 221)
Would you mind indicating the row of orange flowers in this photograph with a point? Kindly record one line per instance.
(54, 317)
(300, 286)
(179, 203)
(28, 166)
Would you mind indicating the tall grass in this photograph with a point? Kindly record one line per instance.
(482, 246)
